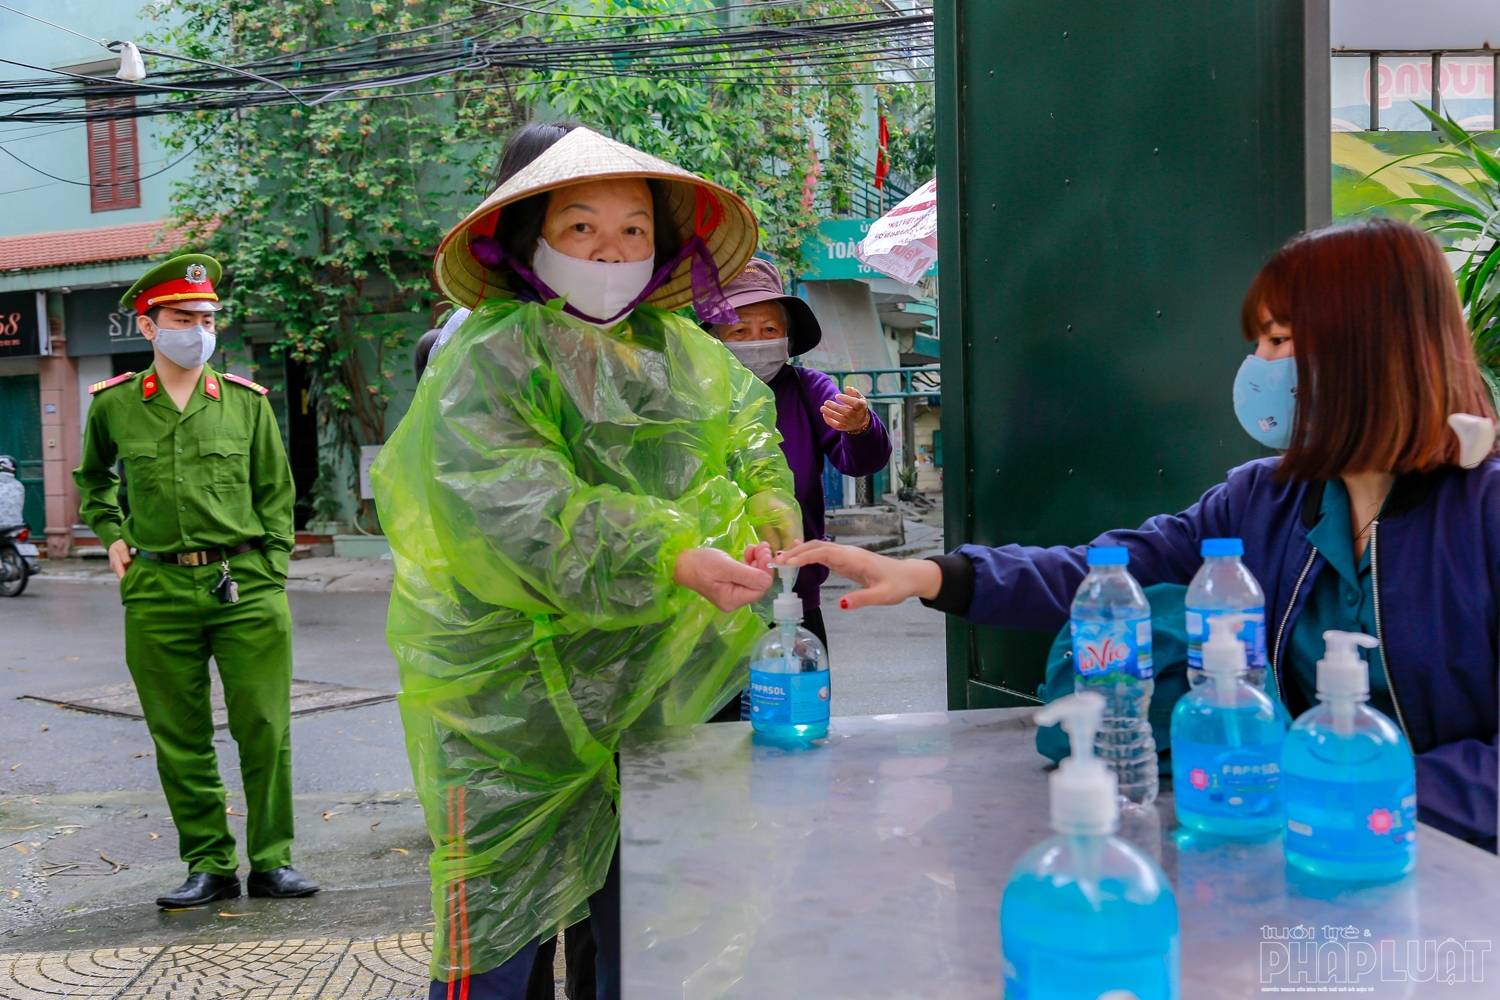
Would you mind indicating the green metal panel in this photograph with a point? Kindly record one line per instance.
(21, 439)
(1111, 177)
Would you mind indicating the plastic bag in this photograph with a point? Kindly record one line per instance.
(536, 496)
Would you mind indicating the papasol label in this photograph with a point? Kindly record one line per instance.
(1233, 781)
(1122, 646)
(779, 699)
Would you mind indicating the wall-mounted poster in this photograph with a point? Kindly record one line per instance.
(23, 317)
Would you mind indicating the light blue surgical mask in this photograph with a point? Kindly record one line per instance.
(1265, 400)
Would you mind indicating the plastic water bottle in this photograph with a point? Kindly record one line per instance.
(1226, 745)
(789, 692)
(1086, 913)
(1111, 629)
(1223, 586)
(1348, 780)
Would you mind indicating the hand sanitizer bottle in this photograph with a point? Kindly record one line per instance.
(1086, 913)
(1226, 744)
(789, 694)
(1348, 780)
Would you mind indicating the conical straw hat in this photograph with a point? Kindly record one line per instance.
(585, 155)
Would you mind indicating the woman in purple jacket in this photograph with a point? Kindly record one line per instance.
(815, 419)
(1376, 518)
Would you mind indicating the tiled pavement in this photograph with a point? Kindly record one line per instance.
(388, 967)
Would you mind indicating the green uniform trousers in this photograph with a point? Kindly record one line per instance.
(173, 624)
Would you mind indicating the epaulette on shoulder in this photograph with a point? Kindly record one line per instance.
(97, 386)
(242, 381)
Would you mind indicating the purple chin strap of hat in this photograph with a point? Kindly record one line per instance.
(708, 297)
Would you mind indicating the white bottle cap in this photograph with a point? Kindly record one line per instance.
(1085, 793)
(1342, 673)
(1224, 653)
(787, 606)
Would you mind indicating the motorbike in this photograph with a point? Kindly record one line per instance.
(18, 560)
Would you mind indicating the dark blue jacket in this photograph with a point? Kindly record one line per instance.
(1435, 558)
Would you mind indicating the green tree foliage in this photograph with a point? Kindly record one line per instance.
(327, 216)
(1468, 216)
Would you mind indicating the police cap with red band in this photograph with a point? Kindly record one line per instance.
(185, 282)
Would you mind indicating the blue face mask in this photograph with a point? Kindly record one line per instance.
(1265, 400)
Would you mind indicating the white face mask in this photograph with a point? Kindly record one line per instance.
(763, 357)
(187, 348)
(601, 291)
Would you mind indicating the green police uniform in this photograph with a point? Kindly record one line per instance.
(212, 475)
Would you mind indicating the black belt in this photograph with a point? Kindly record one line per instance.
(202, 558)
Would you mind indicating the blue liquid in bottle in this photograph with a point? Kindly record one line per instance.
(1085, 912)
(789, 678)
(1226, 745)
(1348, 779)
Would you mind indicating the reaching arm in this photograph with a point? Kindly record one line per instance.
(98, 485)
(861, 454)
(1023, 586)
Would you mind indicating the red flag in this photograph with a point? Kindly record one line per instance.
(882, 159)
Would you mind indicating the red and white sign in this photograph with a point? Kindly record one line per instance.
(903, 242)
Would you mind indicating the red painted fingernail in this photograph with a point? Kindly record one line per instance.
(844, 603)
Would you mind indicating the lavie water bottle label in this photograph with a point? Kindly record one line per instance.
(1358, 821)
(1122, 646)
(1216, 780)
(1252, 634)
(788, 699)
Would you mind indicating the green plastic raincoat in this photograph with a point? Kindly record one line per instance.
(536, 497)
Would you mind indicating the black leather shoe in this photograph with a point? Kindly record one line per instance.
(280, 883)
(200, 889)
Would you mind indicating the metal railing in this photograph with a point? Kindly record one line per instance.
(909, 382)
(1437, 56)
(860, 199)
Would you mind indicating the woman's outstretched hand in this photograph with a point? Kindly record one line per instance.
(847, 411)
(727, 583)
(884, 580)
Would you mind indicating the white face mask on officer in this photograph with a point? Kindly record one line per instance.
(187, 348)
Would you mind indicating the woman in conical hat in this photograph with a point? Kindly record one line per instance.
(566, 499)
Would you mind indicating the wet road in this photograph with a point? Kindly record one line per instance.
(75, 787)
(62, 636)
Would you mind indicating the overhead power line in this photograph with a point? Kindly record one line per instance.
(870, 48)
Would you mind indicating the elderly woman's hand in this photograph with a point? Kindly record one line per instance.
(727, 583)
(884, 580)
(847, 412)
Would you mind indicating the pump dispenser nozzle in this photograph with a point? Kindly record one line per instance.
(788, 606)
(1342, 673)
(1343, 677)
(1224, 660)
(1084, 792)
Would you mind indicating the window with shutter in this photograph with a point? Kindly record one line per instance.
(114, 159)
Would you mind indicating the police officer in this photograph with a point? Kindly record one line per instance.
(202, 562)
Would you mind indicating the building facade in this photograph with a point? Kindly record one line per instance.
(81, 212)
